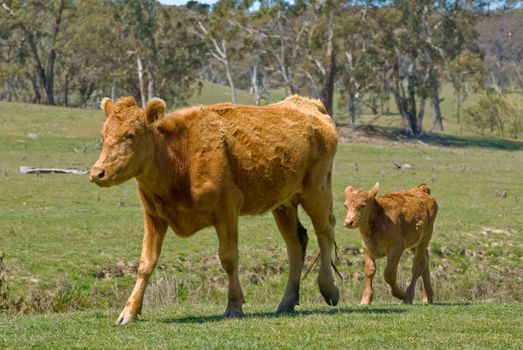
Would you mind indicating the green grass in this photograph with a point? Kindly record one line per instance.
(455, 325)
(71, 245)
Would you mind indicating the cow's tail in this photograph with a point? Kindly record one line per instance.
(303, 237)
(317, 257)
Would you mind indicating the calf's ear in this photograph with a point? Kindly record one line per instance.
(107, 106)
(374, 191)
(155, 110)
(348, 190)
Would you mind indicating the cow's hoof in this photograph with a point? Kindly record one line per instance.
(332, 299)
(233, 314)
(123, 320)
(284, 310)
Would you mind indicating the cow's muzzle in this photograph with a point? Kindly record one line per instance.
(97, 175)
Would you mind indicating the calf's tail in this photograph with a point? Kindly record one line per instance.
(424, 187)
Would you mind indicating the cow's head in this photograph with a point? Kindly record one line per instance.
(127, 140)
(358, 205)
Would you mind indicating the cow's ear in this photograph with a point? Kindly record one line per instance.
(374, 191)
(348, 190)
(107, 106)
(155, 110)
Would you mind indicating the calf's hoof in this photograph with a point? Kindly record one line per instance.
(427, 301)
(331, 298)
(365, 302)
(123, 320)
(233, 314)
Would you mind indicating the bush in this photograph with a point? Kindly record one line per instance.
(499, 114)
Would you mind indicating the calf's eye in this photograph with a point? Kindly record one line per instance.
(130, 136)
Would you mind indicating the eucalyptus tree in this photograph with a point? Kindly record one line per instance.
(41, 24)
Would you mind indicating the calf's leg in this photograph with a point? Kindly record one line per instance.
(370, 271)
(296, 239)
(428, 294)
(391, 269)
(419, 266)
(227, 231)
(154, 233)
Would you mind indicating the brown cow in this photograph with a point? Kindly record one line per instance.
(206, 166)
(388, 225)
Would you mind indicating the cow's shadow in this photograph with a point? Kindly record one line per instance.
(301, 313)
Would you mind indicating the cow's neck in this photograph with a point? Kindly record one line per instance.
(165, 171)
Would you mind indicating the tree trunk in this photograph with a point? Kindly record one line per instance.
(421, 114)
(254, 84)
(139, 66)
(458, 107)
(231, 81)
(353, 108)
(327, 91)
(411, 99)
(151, 80)
(435, 110)
(66, 90)
(37, 98)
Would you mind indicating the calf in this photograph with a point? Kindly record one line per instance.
(388, 225)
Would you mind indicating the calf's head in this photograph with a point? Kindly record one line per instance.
(127, 140)
(358, 205)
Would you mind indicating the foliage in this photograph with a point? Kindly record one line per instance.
(75, 52)
(501, 115)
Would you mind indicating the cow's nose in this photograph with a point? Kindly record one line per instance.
(96, 174)
(348, 223)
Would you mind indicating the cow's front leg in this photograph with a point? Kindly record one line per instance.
(154, 233)
(227, 231)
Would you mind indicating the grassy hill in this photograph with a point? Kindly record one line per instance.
(72, 246)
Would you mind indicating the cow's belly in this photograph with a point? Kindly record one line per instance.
(268, 187)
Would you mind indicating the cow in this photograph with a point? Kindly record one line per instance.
(388, 225)
(207, 165)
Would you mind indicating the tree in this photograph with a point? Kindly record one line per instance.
(359, 32)
(41, 23)
(224, 35)
(466, 74)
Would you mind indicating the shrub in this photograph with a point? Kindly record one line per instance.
(499, 114)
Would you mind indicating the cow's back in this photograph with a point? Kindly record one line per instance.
(267, 150)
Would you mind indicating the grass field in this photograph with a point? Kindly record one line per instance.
(442, 326)
(71, 246)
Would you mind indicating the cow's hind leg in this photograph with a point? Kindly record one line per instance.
(317, 202)
(227, 231)
(296, 239)
(154, 233)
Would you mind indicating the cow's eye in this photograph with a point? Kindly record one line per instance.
(130, 135)
(362, 206)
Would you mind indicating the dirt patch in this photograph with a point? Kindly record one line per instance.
(120, 269)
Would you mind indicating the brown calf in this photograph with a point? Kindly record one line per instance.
(388, 225)
(206, 166)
